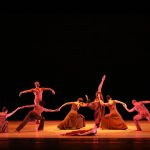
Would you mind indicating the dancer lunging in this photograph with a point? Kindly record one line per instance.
(142, 111)
(35, 114)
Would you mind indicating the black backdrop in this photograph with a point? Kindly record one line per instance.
(70, 52)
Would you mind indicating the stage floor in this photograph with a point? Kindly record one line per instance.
(51, 137)
(51, 131)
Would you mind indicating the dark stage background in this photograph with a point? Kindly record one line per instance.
(70, 52)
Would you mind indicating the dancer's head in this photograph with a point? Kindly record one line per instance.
(108, 97)
(42, 103)
(134, 101)
(37, 84)
(80, 99)
(4, 109)
(99, 95)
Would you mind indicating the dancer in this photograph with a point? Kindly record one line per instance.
(3, 116)
(38, 92)
(73, 120)
(96, 105)
(113, 120)
(35, 114)
(98, 113)
(88, 132)
(143, 112)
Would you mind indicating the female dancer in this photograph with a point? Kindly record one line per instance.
(96, 105)
(73, 120)
(113, 119)
(88, 132)
(3, 116)
(98, 113)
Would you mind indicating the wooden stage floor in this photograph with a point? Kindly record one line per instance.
(51, 137)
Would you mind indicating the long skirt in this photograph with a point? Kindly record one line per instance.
(113, 121)
(72, 121)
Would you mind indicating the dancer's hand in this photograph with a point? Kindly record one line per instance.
(53, 92)
(124, 105)
(20, 94)
(104, 77)
(86, 96)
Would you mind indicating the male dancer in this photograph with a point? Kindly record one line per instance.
(142, 112)
(35, 114)
(37, 91)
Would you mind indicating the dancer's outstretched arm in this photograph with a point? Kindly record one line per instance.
(26, 106)
(68, 103)
(82, 104)
(101, 83)
(146, 102)
(10, 114)
(22, 107)
(51, 110)
(26, 91)
(129, 110)
(102, 103)
(120, 102)
(49, 89)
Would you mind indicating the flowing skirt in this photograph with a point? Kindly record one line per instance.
(113, 121)
(72, 121)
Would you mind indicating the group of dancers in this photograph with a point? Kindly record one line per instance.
(74, 120)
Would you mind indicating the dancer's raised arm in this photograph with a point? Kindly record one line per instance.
(87, 99)
(86, 96)
(101, 83)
